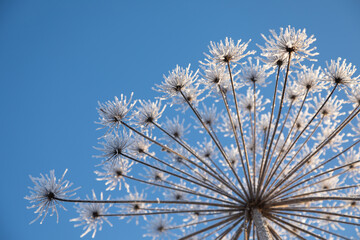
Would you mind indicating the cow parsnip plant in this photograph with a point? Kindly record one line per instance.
(264, 147)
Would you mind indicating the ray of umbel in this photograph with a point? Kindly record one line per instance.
(240, 161)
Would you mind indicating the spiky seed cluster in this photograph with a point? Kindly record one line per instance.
(44, 195)
(92, 215)
(266, 161)
(113, 112)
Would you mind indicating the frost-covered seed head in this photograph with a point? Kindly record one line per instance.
(46, 192)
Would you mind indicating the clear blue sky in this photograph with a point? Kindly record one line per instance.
(58, 58)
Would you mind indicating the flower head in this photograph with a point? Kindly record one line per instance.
(252, 73)
(289, 41)
(214, 74)
(136, 207)
(227, 52)
(176, 128)
(113, 112)
(309, 79)
(339, 72)
(92, 215)
(149, 112)
(114, 173)
(178, 80)
(115, 145)
(158, 228)
(46, 193)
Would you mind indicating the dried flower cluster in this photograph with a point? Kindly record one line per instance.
(271, 152)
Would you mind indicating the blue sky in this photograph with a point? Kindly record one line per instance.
(58, 58)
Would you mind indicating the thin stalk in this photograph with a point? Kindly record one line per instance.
(319, 212)
(292, 159)
(189, 191)
(293, 125)
(161, 213)
(308, 124)
(298, 228)
(169, 150)
(322, 164)
(286, 228)
(281, 193)
(254, 136)
(196, 181)
(311, 226)
(190, 150)
(211, 227)
(274, 149)
(238, 117)
(214, 140)
(196, 223)
(246, 173)
(313, 199)
(144, 201)
(159, 169)
(269, 128)
(229, 229)
(320, 218)
(262, 175)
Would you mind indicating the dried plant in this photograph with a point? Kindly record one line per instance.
(254, 160)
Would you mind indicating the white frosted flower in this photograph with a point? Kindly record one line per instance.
(176, 128)
(352, 160)
(294, 93)
(113, 174)
(226, 126)
(135, 207)
(354, 95)
(175, 195)
(140, 147)
(210, 117)
(263, 122)
(289, 41)
(339, 72)
(115, 145)
(113, 112)
(176, 159)
(272, 60)
(154, 175)
(300, 121)
(355, 129)
(207, 149)
(233, 156)
(178, 80)
(335, 144)
(92, 215)
(330, 221)
(214, 74)
(190, 95)
(227, 52)
(246, 102)
(252, 73)
(149, 112)
(309, 79)
(45, 195)
(329, 182)
(158, 227)
(331, 109)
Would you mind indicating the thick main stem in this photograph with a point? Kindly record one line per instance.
(261, 226)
